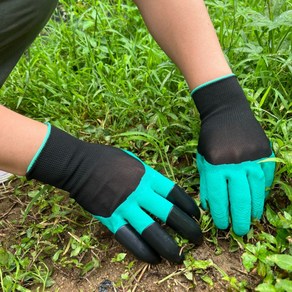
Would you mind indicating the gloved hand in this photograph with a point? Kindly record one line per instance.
(119, 190)
(232, 147)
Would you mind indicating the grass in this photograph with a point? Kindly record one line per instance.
(96, 72)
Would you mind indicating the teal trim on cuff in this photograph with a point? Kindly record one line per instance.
(210, 82)
(40, 149)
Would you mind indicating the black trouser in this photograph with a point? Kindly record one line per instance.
(20, 23)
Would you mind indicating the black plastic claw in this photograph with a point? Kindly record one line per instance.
(133, 242)
(181, 199)
(185, 225)
(163, 243)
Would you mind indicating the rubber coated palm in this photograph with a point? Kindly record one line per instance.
(235, 188)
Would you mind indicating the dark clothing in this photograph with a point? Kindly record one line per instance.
(20, 23)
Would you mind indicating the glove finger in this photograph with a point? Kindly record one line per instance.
(153, 234)
(269, 171)
(172, 216)
(185, 225)
(154, 204)
(159, 183)
(167, 189)
(240, 202)
(181, 199)
(256, 181)
(133, 242)
(141, 224)
(113, 223)
(217, 194)
(163, 243)
(172, 192)
(130, 238)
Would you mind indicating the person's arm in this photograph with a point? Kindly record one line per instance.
(184, 31)
(233, 177)
(20, 138)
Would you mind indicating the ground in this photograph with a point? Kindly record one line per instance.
(223, 270)
(116, 86)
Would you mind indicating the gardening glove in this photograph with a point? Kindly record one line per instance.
(121, 192)
(234, 175)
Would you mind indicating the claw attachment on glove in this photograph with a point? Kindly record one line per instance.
(232, 150)
(120, 191)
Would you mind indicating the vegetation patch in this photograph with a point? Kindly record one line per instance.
(97, 73)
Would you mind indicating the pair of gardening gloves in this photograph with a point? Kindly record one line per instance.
(131, 199)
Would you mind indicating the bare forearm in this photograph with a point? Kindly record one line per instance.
(183, 29)
(20, 138)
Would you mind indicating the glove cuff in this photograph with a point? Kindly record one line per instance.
(40, 148)
(211, 81)
(223, 94)
(55, 159)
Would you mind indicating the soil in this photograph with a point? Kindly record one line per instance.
(156, 278)
(141, 276)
